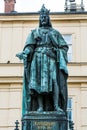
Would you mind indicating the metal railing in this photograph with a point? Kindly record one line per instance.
(16, 126)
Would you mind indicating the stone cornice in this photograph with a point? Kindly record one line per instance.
(7, 77)
(19, 80)
(34, 16)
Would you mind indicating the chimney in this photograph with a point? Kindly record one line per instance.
(9, 6)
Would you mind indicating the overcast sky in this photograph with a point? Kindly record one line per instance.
(35, 5)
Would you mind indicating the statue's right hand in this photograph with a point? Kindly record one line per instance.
(20, 55)
(23, 55)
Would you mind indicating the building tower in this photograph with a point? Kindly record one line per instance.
(72, 6)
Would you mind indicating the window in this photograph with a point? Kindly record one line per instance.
(69, 109)
(70, 114)
(68, 39)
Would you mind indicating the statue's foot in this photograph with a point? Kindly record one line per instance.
(40, 109)
(58, 109)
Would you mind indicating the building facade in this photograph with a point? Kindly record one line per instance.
(14, 29)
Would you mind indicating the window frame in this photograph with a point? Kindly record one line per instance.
(69, 54)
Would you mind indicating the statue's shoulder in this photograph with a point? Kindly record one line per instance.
(35, 31)
(55, 31)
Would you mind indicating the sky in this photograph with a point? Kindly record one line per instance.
(35, 5)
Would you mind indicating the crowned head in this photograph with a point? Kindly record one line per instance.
(44, 10)
(44, 17)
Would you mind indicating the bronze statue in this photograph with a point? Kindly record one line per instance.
(45, 70)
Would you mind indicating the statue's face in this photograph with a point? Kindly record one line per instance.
(44, 19)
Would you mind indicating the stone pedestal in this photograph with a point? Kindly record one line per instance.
(44, 121)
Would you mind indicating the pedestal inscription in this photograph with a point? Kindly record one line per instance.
(44, 121)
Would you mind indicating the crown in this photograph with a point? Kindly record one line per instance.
(44, 10)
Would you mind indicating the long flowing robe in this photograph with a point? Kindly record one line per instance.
(46, 63)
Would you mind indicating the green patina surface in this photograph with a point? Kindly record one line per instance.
(45, 68)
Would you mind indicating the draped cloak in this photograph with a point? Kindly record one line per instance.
(47, 62)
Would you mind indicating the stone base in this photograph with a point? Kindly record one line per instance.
(44, 121)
